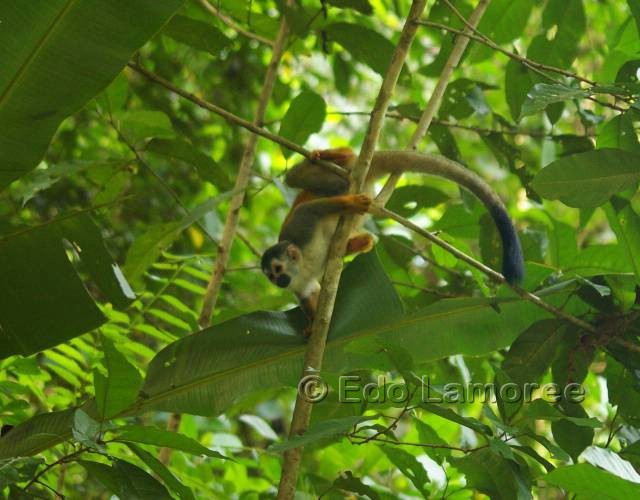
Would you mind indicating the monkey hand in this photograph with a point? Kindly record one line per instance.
(358, 203)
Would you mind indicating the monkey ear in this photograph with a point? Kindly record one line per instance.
(293, 252)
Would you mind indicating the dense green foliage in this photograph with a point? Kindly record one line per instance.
(113, 196)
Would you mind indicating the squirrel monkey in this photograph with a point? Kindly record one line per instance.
(297, 261)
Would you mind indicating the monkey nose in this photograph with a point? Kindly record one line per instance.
(283, 281)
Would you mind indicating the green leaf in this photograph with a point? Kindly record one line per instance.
(600, 259)
(139, 124)
(18, 470)
(147, 248)
(160, 437)
(362, 6)
(588, 481)
(304, 117)
(618, 133)
(517, 83)
(120, 388)
(533, 351)
(327, 429)
(568, 20)
(539, 409)
(161, 470)
(469, 422)
(634, 6)
(43, 302)
(138, 484)
(260, 426)
(544, 94)
(38, 433)
(207, 371)
(365, 45)
(86, 430)
(409, 200)
(587, 180)
(626, 224)
(409, 467)
(491, 474)
(197, 34)
(104, 473)
(611, 462)
(207, 168)
(348, 482)
(71, 49)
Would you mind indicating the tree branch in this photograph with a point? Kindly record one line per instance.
(233, 119)
(320, 328)
(242, 181)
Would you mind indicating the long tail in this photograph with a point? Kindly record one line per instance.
(387, 162)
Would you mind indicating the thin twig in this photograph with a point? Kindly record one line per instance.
(533, 68)
(47, 468)
(235, 120)
(480, 38)
(242, 181)
(233, 25)
(315, 349)
(364, 440)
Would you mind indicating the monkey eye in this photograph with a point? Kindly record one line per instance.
(278, 269)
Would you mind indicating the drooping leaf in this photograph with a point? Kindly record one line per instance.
(162, 472)
(120, 387)
(619, 133)
(73, 50)
(533, 351)
(544, 94)
(161, 437)
(365, 45)
(362, 6)
(590, 482)
(490, 473)
(197, 34)
(42, 300)
(304, 117)
(588, 179)
(139, 124)
(409, 467)
(625, 222)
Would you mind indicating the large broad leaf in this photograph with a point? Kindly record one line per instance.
(42, 300)
(587, 180)
(304, 117)
(56, 55)
(588, 481)
(206, 372)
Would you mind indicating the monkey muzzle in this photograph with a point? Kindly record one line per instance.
(283, 280)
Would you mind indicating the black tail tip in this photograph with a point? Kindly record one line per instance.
(513, 264)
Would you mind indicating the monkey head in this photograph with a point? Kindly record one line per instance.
(281, 262)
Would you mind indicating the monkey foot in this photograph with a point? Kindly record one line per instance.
(360, 243)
